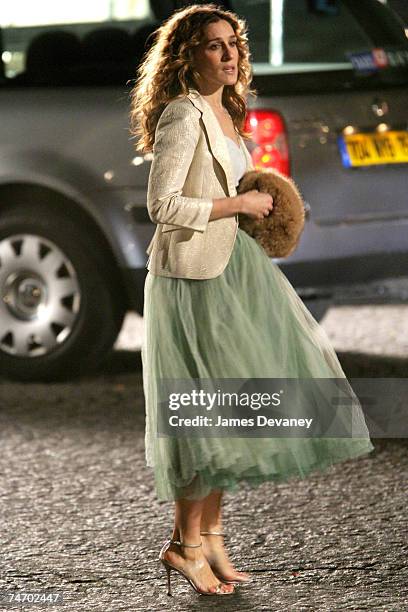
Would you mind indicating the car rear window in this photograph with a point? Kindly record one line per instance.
(77, 43)
(296, 36)
(102, 43)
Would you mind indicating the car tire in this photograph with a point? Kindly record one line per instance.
(61, 307)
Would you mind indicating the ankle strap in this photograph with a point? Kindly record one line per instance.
(189, 545)
(219, 533)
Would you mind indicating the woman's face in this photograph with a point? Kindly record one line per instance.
(217, 52)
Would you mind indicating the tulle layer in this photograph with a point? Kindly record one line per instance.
(246, 323)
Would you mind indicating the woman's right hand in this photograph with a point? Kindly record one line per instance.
(255, 204)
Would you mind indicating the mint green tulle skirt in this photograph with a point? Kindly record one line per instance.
(246, 323)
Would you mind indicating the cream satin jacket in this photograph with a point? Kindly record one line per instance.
(191, 166)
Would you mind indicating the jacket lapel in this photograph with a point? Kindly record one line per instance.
(216, 139)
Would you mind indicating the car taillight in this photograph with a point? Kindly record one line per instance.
(269, 134)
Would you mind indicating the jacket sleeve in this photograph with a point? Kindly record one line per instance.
(176, 138)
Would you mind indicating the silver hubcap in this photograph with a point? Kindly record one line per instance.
(40, 295)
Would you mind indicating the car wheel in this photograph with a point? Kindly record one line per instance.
(58, 314)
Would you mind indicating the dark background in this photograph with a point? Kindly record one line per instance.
(400, 7)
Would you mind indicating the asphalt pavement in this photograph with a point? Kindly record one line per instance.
(80, 516)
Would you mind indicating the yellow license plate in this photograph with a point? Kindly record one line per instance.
(373, 149)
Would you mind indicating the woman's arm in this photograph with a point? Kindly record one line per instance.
(225, 207)
(177, 134)
(253, 203)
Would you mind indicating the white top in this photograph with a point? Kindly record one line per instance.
(238, 159)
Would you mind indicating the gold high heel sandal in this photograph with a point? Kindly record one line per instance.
(240, 582)
(170, 567)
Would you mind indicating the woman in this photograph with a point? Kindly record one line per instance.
(215, 305)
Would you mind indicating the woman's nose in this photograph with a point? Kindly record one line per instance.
(228, 54)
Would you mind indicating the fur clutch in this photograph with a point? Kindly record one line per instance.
(280, 231)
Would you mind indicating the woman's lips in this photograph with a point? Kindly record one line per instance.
(229, 70)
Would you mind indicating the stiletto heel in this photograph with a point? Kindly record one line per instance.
(170, 567)
(168, 570)
(240, 582)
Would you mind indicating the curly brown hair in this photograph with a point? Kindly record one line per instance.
(166, 71)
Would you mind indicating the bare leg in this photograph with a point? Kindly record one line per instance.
(213, 545)
(192, 561)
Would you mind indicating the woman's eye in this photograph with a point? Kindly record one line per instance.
(234, 42)
(215, 46)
